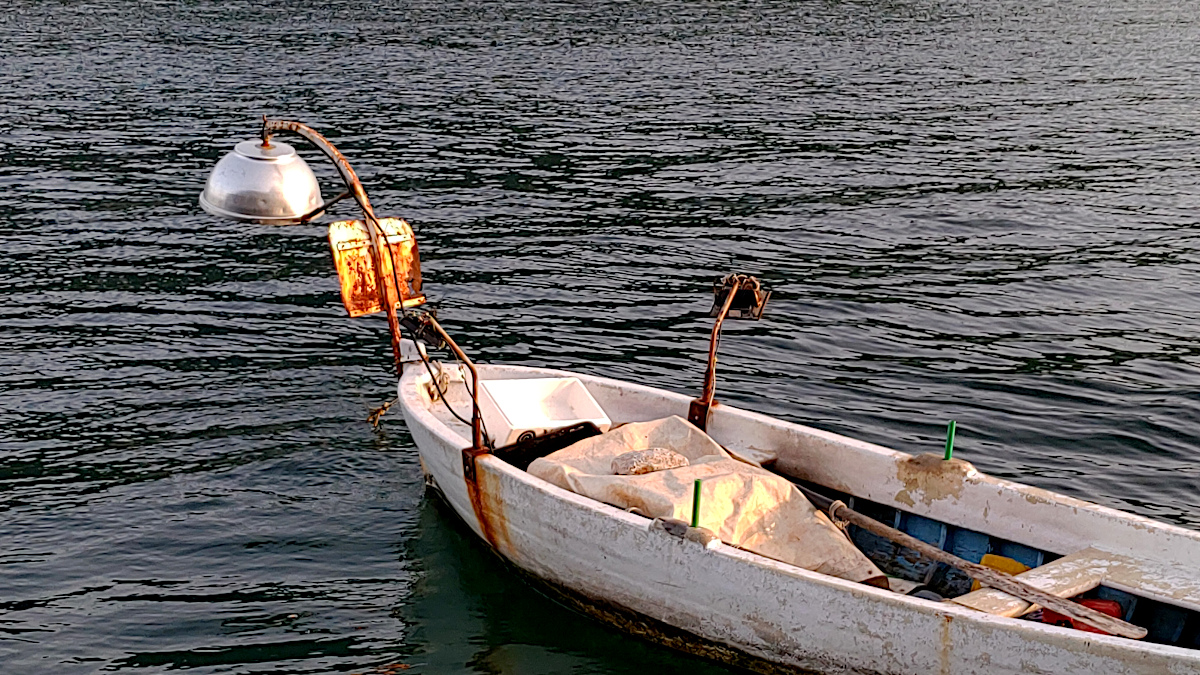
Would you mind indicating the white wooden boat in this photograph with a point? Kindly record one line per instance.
(681, 586)
(744, 609)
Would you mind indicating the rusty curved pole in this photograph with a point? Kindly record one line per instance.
(476, 418)
(353, 184)
(377, 242)
(355, 188)
(698, 410)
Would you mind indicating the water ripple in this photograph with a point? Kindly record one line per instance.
(984, 213)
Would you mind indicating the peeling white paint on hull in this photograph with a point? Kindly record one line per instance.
(731, 602)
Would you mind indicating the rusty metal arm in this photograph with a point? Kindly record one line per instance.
(477, 441)
(355, 188)
(478, 445)
(698, 410)
(353, 184)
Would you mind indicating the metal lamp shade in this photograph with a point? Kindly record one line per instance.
(270, 185)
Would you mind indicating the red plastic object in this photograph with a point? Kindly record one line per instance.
(1109, 607)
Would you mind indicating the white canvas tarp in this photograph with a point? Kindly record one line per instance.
(744, 505)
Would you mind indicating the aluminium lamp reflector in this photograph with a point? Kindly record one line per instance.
(263, 184)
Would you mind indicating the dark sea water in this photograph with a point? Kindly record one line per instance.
(985, 211)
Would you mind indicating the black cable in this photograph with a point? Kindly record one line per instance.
(441, 394)
(433, 379)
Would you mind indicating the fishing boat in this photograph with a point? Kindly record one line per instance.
(805, 550)
(745, 609)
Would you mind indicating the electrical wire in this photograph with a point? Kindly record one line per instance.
(433, 378)
(424, 359)
(442, 394)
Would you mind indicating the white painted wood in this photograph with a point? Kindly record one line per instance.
(1086, 569)
(781, 613)
(1066, 577)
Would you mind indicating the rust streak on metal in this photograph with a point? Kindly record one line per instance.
(470, 478)
(489, 511)
(349, 242)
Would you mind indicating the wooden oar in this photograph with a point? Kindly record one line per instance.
(986, 575)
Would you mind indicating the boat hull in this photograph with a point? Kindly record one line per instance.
(730, 604)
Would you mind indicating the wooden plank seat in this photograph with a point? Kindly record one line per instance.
(1084, 570)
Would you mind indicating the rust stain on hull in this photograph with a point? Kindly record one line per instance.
(947, 646)
(489, 509)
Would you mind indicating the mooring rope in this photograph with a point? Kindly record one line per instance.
(377, 413)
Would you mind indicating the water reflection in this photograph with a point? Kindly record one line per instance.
(474, 614)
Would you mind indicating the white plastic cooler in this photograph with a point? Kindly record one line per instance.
(513, 407)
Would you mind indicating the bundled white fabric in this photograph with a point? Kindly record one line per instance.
(744, 505)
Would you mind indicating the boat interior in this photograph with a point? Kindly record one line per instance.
(1117, 585)
(1167, 623)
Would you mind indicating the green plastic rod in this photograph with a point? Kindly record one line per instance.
(696, 503)
(950, 439)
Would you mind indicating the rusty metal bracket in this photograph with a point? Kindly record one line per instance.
(698, 412)
(737, 296)
(469, 456)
